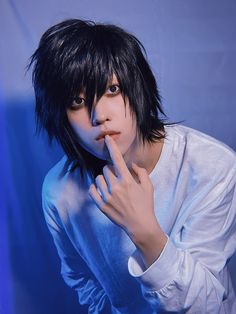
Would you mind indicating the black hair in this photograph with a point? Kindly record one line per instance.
(77, 55)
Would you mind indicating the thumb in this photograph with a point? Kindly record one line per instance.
(141, 173)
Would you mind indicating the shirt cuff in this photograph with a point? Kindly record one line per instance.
(161, 272)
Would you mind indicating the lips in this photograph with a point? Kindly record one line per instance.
(103, 134)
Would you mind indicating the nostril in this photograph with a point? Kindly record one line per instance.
(99, 119)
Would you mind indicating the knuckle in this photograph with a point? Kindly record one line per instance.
(98, 178)
(104, 208)
(108, 199)
(115, 189)
(127, 182)
(105, 168)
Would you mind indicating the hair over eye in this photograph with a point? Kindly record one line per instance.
(74, 75)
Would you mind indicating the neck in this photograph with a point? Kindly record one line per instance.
(144, 155)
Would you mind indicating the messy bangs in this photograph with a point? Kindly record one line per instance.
(77, 56)
(96, 55)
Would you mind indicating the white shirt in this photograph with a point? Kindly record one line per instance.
(195, 204)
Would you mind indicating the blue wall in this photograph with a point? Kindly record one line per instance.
(191, 46)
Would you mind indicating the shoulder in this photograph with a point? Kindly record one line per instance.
(61, 186)
(55, 177)
(202, 152)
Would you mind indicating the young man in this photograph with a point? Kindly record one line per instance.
(142, 213)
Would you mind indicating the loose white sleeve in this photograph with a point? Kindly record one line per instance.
(74, 269)
(189, 275)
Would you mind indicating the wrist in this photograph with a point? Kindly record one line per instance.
(150, 244)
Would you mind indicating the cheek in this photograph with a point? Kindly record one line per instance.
(81, 131)
(79, 121)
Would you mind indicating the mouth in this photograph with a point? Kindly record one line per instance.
(102, 135)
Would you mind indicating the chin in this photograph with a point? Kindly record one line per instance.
(104, 155)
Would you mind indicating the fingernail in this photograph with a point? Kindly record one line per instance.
(107, 137)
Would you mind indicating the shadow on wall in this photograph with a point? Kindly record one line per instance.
(35, 269)
(37, 284)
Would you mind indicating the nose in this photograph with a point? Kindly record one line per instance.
(99, 114)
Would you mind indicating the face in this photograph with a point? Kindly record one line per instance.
(110, 116)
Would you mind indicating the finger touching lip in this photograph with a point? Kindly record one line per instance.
(113, 135)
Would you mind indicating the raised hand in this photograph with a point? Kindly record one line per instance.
(128, 202)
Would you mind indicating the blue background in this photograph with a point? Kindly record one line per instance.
(191, 46)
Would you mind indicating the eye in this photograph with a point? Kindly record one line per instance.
(113, 89)
(77, 103)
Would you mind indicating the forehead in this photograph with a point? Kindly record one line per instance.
(113, 80)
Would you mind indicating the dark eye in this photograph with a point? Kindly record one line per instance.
(77, 103)
(113, 90)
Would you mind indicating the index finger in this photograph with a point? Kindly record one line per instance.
(117, 159)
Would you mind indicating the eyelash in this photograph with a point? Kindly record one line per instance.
(76, 105)
(115, 92)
